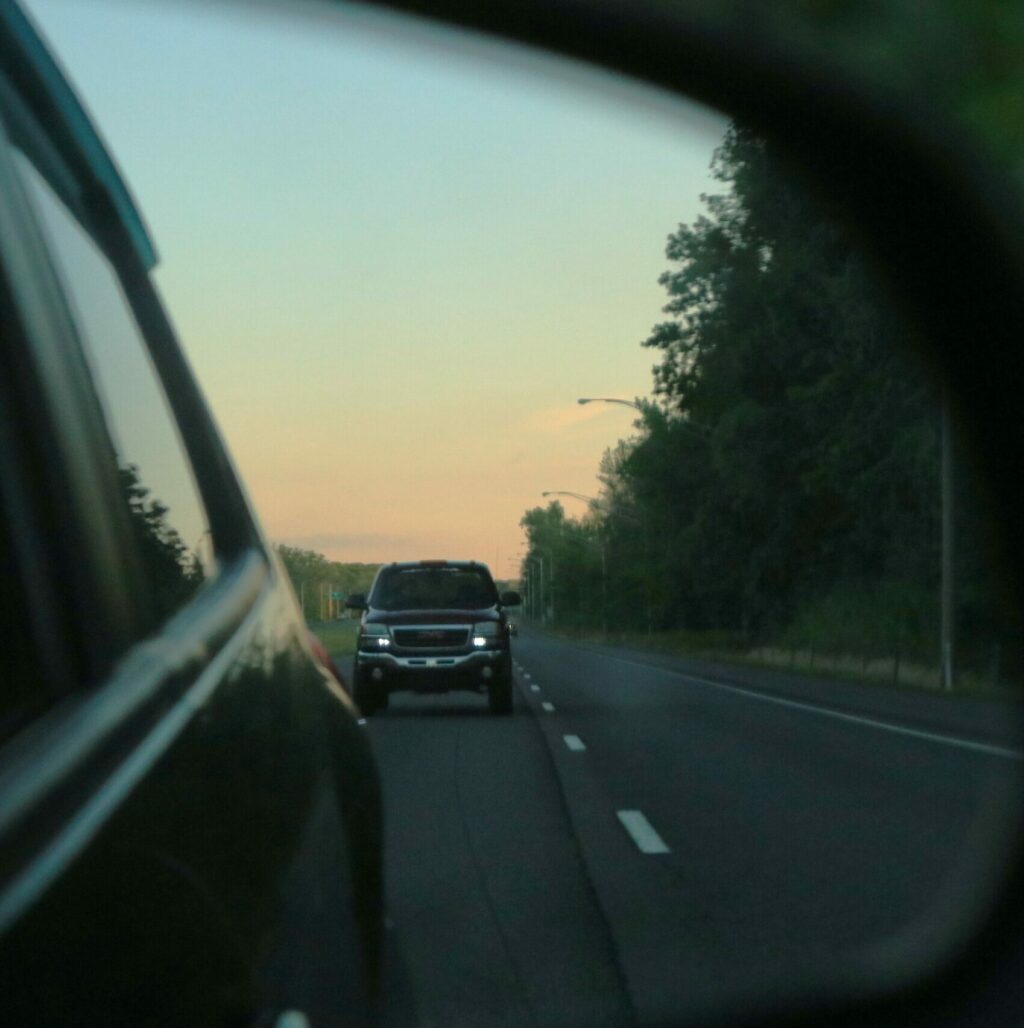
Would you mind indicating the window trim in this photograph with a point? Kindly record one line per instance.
(62, 435)
(228, 512)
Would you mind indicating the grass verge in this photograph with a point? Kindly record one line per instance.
(339, 637)
(727, 649)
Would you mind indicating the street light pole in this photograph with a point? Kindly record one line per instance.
(543, 604)
(575, 496)
(597, 505)
(700, 433)
(537, 595)
(604, 591)
(610, 399)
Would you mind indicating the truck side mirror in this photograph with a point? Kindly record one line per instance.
(511, 599)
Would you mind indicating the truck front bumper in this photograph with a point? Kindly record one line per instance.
(432, 673)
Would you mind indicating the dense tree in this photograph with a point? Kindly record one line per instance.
(784, 485)
(172, 572)
(314, 577)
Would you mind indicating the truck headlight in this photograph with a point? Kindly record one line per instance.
(374, 637)
(486, 633)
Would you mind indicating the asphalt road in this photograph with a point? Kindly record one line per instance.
(648, 836)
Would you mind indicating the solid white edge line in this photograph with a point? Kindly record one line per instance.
(948, 740)
(642, 832)
(549, 707)
(574, 743)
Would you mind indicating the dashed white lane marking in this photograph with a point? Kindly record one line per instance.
(526, 674)
(642, 832)
(549, 707)
(534, 688)
(575, 743)
(917, 733)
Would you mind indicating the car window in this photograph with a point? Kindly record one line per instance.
(426, 588)
(170, 527)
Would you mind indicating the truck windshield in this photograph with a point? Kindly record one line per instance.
(418, 588)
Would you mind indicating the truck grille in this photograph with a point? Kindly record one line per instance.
(424, 638)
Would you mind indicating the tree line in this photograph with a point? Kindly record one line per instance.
(315, 580)
(782, 486)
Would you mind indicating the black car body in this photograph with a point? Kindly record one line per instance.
(433, 626)
(178, 774)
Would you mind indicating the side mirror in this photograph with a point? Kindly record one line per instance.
(511, 599)
(357, 601)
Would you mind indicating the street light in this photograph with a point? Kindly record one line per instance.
(610, 399)
(575, 496)
(600, 542)
(596, 504)
(611, 512)
(700, 433)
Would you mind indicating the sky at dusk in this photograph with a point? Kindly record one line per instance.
(395, 258)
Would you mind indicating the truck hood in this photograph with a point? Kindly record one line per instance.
(432, 617)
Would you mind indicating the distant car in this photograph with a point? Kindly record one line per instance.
(176, 771)
(433, 626)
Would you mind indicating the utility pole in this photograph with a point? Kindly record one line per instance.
(536, 592)
(604, 591)
(946, 642)
(596, 504)
(543, 605)
(551, 587)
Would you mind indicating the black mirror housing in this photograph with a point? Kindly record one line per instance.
(511, 599)
(357, 601)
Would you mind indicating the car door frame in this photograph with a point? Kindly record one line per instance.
(120, 691)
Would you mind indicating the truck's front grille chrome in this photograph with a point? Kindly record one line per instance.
(431, 636)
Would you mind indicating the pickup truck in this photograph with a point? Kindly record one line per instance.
(433, 626)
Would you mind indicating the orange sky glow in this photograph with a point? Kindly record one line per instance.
(395, 259)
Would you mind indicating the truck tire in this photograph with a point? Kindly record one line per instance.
(363, 693)
(499, 693)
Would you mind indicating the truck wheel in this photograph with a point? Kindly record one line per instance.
(499, 694)
(363, 693)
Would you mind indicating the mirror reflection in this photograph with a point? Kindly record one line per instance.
(447, 307)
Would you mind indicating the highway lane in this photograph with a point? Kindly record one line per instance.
(492, 917)
(639, 841)
(797, 825)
